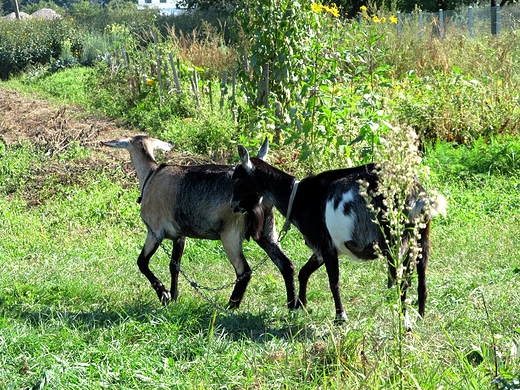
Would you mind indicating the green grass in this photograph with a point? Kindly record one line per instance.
(60, 87)
(76, 313)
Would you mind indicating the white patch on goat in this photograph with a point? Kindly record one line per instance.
(406, 322)
(341, 226)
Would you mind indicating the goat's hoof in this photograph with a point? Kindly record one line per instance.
(340, 319)
(293, 305)
(165, 298)
(233, 304)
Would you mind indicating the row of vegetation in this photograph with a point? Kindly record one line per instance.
(331, 81)
(76, 314)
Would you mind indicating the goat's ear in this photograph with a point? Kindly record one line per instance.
(244, 158)
(161, 145)
(262, 153)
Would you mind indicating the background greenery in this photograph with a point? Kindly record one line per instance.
(76, 313)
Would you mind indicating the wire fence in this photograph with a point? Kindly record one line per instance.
(471, 21)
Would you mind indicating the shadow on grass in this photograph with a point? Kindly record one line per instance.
(237, 325)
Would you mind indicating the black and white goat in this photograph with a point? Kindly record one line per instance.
(333, 218)
(193, 201)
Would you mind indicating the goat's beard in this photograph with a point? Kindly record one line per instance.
(256, 221)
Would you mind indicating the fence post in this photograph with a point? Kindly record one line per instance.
(441, 23)
(143, 71)
(421, 24)
(210, 91)
(233, 87)
(266, 81)
(470, 21)
(495, 20)
(223, 88)
(399, 24)
(438, 28)
(195, 86)
(158, 59)
(175, 76)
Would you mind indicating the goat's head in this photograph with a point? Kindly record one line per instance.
(245, 192)
(140, 146)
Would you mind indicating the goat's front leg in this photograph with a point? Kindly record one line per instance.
(307, 270)
(150, 246)
(284, 264)
(332, 265)
(175, 266)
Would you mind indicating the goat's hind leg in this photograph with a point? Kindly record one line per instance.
(150, 246)
(175, 266)
(406, 281)
(233, 247)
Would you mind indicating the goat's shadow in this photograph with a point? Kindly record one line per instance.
(237, 325)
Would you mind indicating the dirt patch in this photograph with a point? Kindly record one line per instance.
(58, 130)
(55, 128)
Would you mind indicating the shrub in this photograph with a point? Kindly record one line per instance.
(30, 43)
(94, 17)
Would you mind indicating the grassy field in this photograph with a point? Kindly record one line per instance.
(75, 313)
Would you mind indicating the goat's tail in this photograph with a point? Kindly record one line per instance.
(427, 208)
(438, 205)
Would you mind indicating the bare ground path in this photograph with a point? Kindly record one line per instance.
(57, 129)
(26, 119)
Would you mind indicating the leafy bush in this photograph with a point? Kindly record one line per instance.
(456, 107)
(498, 157)
(30, 42)
(94, 17)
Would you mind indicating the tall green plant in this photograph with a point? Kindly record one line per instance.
(326, 77)
(274, 33)
(398, 169)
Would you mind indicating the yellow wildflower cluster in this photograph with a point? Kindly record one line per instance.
(330, 9)
(376, 19)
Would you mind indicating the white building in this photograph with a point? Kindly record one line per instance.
(166, 7)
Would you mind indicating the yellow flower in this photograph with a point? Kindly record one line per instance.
(383, 20)
(149, 82)
(316, 8)
(333, 10)
(393, 19)
(375, 19)
(363, 8)
(319, 8)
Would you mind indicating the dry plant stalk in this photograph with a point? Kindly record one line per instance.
(399, 163)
